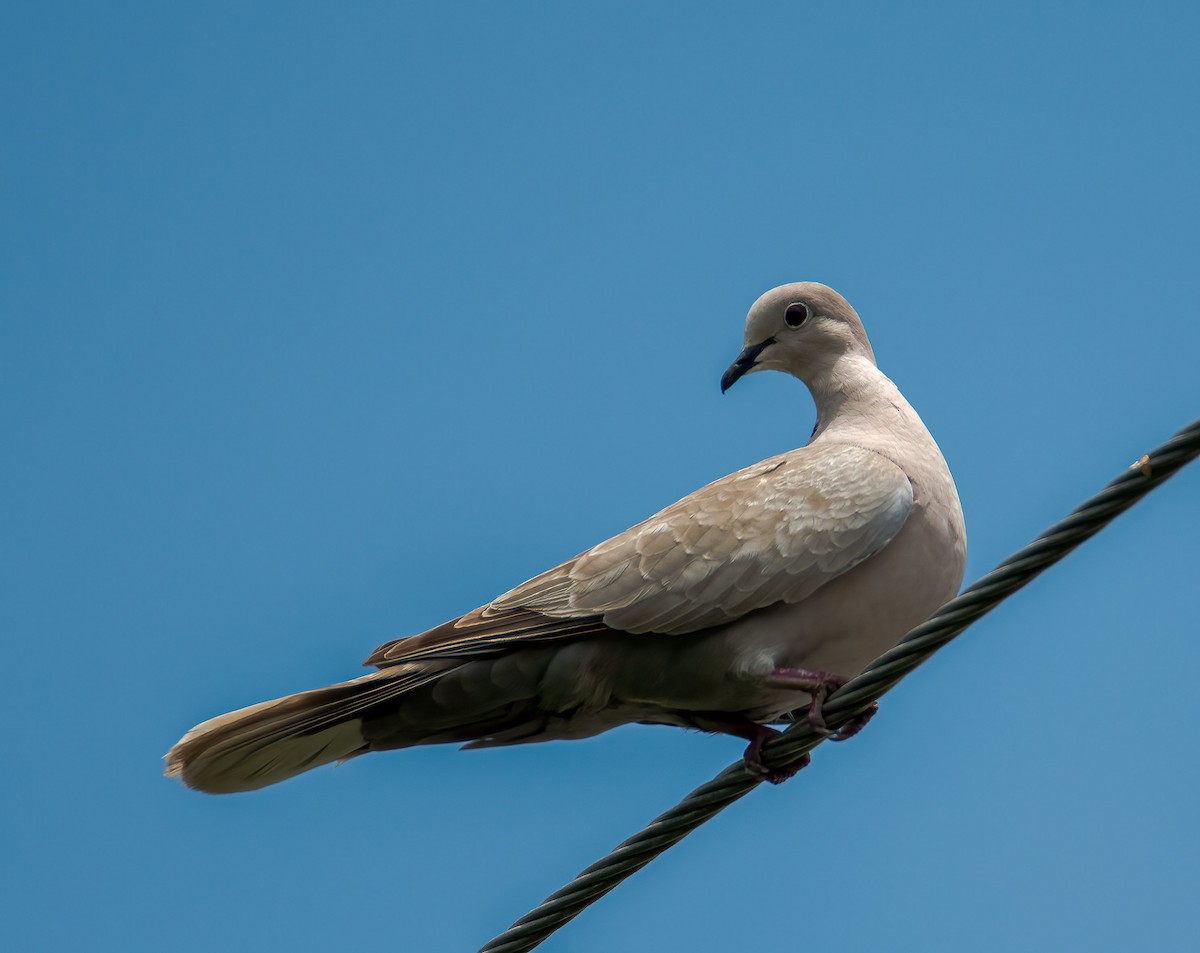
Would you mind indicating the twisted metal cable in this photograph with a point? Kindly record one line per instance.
(879, 677)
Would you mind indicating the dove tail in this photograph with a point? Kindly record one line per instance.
(276, 740)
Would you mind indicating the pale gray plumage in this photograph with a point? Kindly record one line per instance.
(817, 559)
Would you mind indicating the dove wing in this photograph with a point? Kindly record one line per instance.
(773, 532)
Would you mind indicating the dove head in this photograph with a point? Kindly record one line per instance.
(804, 329)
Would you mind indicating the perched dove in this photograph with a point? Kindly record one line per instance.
(732, 609)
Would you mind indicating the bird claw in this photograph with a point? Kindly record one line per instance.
(752, 758)
(856, 724)
(819, 685)
(757, 735)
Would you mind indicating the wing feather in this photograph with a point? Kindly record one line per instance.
(774, 532)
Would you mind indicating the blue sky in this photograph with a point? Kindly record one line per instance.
(323, 324)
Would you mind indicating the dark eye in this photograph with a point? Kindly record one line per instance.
(796, 314)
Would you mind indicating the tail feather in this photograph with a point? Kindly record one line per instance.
(275, 740)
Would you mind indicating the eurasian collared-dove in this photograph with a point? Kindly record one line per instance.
(742, 603)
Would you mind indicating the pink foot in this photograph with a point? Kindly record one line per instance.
(758, 735)
(819, 685)
(753, 758)
(855, 724)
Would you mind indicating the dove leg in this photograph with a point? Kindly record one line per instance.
(819, 685)
(753, 732)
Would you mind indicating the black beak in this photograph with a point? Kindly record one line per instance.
(745, 361)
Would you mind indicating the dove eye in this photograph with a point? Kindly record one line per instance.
(796, 314)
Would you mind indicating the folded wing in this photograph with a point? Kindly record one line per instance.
(773, 532)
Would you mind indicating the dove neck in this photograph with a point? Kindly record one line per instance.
(853, 389)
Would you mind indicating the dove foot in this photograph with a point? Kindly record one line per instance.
(758, 735)
(752, 758)
(855, 724)
(819, 685)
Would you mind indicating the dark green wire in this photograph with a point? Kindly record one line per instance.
(879, 677)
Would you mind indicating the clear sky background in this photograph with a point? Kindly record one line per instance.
(325, 323)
